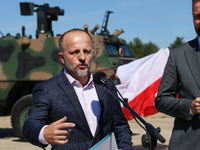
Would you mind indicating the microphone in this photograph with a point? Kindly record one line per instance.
(100, 78)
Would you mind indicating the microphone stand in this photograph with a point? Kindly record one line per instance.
(149, 140)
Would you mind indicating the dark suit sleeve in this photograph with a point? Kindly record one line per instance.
(121, 128)
(38, 115)
(170, 85)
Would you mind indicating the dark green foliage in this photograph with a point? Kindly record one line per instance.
(140, 49)
(177, 42)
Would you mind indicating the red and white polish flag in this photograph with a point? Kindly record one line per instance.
(140, 80)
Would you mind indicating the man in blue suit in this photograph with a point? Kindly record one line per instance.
(69, 111)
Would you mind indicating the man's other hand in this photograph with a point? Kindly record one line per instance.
(195, 106)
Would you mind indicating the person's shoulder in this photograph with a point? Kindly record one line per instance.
(52, 81)
(185, 47)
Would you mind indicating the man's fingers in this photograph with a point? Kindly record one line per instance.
(59, 142)
(60, 120)
(65, 125)
(63, 132)
(198, 109)
(62, 138)
(197, 100)
(62, 142)
(61, 124)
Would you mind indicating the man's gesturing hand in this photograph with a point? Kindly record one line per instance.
(195, 106)
(57, 132)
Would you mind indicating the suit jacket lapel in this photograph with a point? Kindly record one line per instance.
(193, 60)
(71, 95)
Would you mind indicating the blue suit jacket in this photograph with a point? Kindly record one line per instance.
(56, 98)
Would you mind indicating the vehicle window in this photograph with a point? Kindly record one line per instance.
(113, 50)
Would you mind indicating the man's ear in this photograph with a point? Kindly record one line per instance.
(61, 56)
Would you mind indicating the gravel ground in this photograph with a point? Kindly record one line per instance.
(8, 140)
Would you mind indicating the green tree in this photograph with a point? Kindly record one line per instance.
(177, 42)
(140, 50)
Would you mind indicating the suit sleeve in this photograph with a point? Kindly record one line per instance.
(166, 100)
(38, 115)
(121, 128)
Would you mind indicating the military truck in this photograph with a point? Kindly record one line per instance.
(24, 61)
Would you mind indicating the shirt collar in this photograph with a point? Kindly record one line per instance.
(76, 82)
(199, 42)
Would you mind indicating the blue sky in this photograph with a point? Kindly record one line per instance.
(158, 21)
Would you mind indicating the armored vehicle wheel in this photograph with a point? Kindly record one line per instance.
(19, 113)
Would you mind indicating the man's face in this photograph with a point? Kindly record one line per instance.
(78, 53)
(196, 17)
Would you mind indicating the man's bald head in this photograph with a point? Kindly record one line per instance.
(61, 45)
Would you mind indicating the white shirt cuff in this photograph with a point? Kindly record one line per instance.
(41, 137)
(191, 113)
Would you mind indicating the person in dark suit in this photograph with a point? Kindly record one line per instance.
(179, 91)
(69, 111)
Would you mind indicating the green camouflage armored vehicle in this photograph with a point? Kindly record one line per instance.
(25, 61)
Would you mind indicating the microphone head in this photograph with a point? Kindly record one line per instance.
(97, 76)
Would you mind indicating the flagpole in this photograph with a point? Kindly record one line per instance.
(149, 140)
